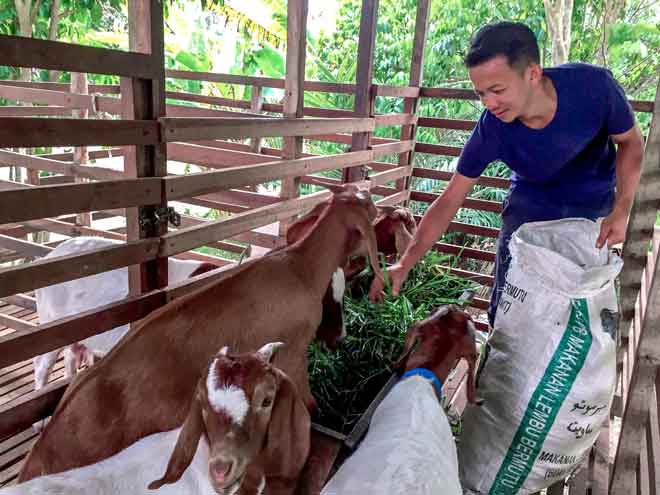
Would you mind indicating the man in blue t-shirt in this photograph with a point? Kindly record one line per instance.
(567, 133)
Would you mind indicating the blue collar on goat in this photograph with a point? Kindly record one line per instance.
(429, 375)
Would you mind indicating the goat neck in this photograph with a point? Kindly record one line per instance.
(324, 249)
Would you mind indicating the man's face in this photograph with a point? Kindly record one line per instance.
(505, 91)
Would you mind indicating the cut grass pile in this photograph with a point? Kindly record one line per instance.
(345, 381)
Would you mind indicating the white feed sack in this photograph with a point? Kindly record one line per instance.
(550, 374)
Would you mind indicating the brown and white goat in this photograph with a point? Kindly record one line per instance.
(409, 447)
(145, 383)
(394, 227)
(247, 429)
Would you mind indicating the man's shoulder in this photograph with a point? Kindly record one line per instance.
(578, 73)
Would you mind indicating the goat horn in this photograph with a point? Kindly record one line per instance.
(224, 351)
(267, 351)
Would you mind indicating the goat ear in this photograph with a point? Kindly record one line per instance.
(287, 442)
(401, 238)
(413, 340)
(301, 227)
(267, 352)
(367, 233)
(186, 446)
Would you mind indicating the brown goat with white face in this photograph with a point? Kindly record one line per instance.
(146, 382)
(255, 422)
(439, 342)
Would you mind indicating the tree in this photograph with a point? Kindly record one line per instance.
(559, 15)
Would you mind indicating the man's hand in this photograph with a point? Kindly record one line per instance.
(397, 274)
(613, 228)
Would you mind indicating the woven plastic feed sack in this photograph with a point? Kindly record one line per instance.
(549, 377)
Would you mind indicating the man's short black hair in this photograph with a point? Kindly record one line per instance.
(513, 40)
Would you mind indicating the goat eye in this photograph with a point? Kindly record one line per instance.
(267, 402)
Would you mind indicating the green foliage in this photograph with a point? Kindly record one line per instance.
(345, 381)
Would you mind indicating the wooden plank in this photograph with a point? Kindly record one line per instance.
(48, 201)
(465, 252)
(454, 124)
(185, 240)
(396, 91)
(55, 86)
(230, 178)
(36, 132)
(477, 204)
(24, 247)
(21, 413)
(183, 129)
(641, 221)
(411, 105)
(641, 385)
(32, 162)
(294, 94)
(51, 271)
(21, 300)
(451, 93)
(428, 173)
(395, 119)
(39, 339)
(643, 106)
(47, 97)
(394, 199)
(599, 472)
(256, 106)
(39, 111)
(267, 82)
(364, 97)
(16, 323)
(18, 51)
(396, 147)
(212, 157)
(438, 149)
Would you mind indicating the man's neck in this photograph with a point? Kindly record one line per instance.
(542, 106)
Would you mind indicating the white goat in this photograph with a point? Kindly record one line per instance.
(75, 296)
(409, 447)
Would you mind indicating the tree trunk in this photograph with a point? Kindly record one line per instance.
(558, 15)
(53, 31)
(612, 10)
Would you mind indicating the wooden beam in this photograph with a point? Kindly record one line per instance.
(44, 272)
(476, 204)
(642, 381)
(641, 221)
(294, 93)
(364, 96)
(19, 414)
(48, 97)
(49, 201)
(37, 132)
(24, 247)
(22, 301)
(396, 147)
(184, 240)
(438, 149)
(16, 323)
(39, 111)
(32, 162)
(256, 106)
(183, 129)
(454, 124)
(207, 156)
(391, 119)
(185, 186)
(397, 91)
(145, 99)
(428, 173)
(17, 51)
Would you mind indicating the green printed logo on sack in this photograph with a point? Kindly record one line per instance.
(546, 401)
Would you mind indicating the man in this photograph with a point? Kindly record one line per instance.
(556, 129)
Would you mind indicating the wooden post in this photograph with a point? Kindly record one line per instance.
(411, 105)
(256, 105)
(144, 99)
(80, 155)
(364, 97)
(294, 91)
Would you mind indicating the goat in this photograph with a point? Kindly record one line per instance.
(254, 431)
(143, 384)
(409, 447)
(394, 227)
(75, 296)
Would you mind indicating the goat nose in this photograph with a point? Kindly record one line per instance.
(220, 470)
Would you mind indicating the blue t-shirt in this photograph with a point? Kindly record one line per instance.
(567, 168)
